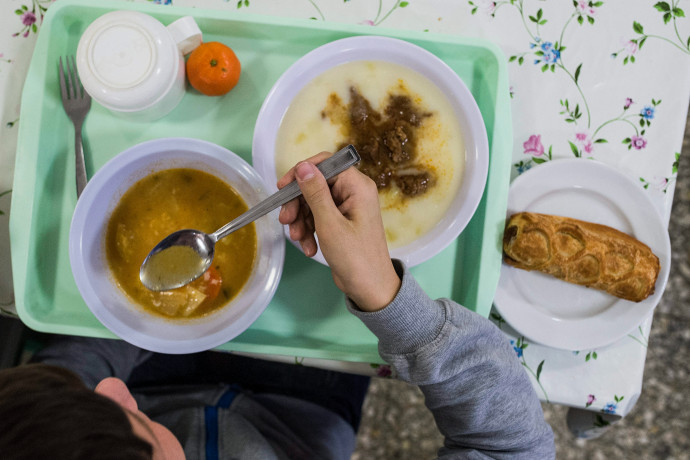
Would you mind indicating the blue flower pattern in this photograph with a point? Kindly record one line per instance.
(547, 53)
(647, 112)
(523, 166)
(518, 350)
(551, 55)
(610, 408)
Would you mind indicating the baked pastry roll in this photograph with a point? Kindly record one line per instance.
(579, 252)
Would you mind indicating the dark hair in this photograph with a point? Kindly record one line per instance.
(46, 412)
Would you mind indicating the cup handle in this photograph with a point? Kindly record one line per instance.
(186, 34)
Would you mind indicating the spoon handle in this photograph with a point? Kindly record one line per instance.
(337, 163)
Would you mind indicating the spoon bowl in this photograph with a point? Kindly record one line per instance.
(178, 259)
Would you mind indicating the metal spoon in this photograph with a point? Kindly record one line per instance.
(185, 255)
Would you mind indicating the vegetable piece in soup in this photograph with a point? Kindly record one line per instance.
(171, 200)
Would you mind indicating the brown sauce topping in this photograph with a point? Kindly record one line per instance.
(385, 140)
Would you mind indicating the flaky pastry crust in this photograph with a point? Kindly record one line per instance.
(583, 253)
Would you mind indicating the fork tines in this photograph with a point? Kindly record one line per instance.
(70, 85)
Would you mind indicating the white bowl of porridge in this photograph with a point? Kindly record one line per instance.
(412, 119)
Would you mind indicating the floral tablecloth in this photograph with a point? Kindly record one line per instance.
(607, 80)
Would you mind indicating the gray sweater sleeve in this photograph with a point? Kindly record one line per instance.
(481, 398)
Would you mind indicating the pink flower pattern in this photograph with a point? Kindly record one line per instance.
(384, 371)
(584, 7)
(585, 142)
(31, 17)
(533, 145)
(638, 142)
(28, 18)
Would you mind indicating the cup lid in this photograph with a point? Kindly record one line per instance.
(127, 60)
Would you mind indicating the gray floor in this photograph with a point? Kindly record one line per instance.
(396, 424)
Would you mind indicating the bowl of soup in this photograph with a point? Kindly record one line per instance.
(142, 195)
(412, 119)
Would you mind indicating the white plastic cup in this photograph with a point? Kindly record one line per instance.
(133, 65)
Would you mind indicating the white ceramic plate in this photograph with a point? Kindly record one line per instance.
(403, 53)
(564, 315)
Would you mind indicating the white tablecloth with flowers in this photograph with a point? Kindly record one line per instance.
(601, 79)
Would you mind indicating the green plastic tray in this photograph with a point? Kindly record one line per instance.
(307, 316)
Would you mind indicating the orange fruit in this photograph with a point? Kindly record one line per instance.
(213, 69)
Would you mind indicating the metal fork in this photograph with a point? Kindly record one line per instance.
(77, 103)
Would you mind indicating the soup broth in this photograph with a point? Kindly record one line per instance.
(357, 102)
(171, 200)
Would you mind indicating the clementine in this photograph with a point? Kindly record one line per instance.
(213, 69)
